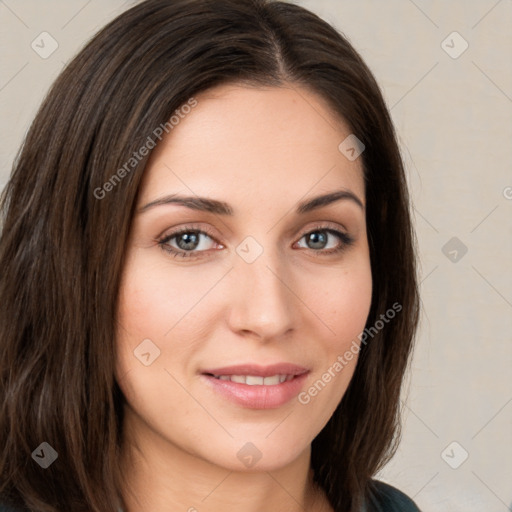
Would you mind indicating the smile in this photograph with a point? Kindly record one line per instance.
(257, 387)
(255, 380)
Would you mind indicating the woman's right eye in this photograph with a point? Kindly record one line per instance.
(186, 243)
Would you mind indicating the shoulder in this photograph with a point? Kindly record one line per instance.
(383, 497)
(10, 508)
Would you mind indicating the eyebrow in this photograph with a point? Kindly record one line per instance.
(222, 208)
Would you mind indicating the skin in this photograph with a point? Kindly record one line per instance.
(262, 151)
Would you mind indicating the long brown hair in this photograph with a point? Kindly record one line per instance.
(62, 246)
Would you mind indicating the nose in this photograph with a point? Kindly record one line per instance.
(262, 303)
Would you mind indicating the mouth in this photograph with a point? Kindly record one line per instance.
(257, 387)
(255, 380)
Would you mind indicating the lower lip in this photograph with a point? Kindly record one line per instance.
(258, 396)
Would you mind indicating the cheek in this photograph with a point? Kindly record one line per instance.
(165, 311)
(146, 312)
(156, 313)
(343, 303)
(156, 303)
(343, 306)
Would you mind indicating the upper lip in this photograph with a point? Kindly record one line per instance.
(257, 370)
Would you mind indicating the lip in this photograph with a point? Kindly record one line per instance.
(257, 396)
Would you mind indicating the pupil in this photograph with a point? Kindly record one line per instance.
(191, 241)
(319, 239)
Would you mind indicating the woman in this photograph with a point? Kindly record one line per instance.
(208, 289)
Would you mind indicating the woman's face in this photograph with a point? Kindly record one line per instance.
(231, 343)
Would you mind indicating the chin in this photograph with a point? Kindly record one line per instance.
(257, 453)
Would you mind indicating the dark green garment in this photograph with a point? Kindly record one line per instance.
(383, 498)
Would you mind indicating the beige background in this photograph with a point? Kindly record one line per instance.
(454, 118)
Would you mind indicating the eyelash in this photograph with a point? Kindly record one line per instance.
(346, 241)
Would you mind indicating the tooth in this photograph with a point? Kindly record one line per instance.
(271, 381)
(253, 381)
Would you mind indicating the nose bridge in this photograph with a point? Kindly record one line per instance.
(263, 301)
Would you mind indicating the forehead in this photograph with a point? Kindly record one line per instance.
(249, 141)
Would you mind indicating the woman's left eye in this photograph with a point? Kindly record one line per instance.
(319, 240)
(187, 242)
